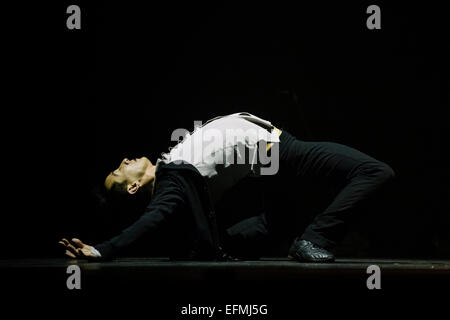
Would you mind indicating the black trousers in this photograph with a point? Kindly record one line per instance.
(359, 175)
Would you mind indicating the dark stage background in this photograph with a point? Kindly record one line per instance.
(81, 100)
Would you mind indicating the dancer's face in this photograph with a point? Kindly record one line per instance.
(129, 173)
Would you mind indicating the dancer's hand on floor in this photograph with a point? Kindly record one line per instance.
(78, 250)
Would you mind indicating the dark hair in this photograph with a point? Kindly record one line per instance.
(100, 196)
(118, 193)
(118, 198)
(113, 211)
(118, 188)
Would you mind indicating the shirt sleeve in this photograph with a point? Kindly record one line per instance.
(168, 198)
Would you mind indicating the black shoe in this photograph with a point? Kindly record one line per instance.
(225, 256)
(306, 251)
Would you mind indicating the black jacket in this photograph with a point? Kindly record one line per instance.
(180, 196)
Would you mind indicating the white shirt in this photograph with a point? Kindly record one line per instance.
(224, 150)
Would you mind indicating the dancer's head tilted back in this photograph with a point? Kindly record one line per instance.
(131, 177)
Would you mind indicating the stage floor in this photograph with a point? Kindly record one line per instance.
(129, 272)
(161, 287)
(268, 268)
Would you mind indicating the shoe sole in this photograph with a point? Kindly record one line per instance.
(300, 259)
